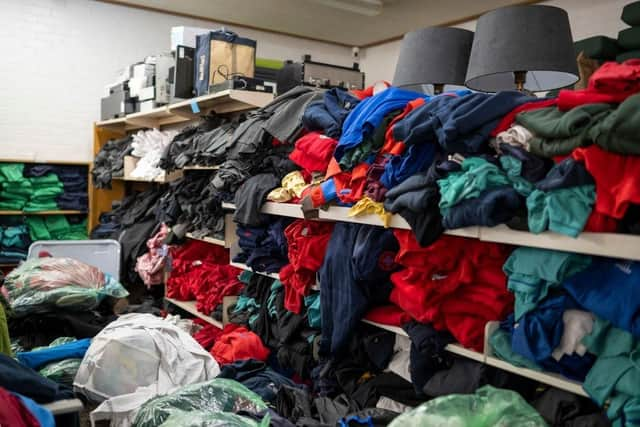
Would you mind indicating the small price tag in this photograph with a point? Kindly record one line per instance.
(194, 107)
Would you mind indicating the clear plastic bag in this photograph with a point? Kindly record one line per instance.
(487, 407)
(212, 397)
(40, 284)
(207, 419)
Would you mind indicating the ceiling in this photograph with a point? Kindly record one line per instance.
(346, 22)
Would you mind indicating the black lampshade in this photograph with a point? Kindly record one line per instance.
(535, 39)
(434, 55)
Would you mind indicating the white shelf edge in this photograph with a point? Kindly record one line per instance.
(190, 307)
(625, 246)
(64, 406)
(211, 240)
(548, 378)
(247, 268)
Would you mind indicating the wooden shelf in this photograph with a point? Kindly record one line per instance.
(190, 307)
(626, 246)
(64, 406)
(211, 240)
(224, 102)
(47, 162)
(158, 180)
(200, 168)
(62, 212)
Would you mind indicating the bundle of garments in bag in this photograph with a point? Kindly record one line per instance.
(575, 315)
(29, 193)
(109, 161)
(204, 144)
(135, 358)
(148, 146)
(59, 361)
(201, 272)
(74, 183)
(40, 285)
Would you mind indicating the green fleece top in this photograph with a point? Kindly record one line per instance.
(616, 372)
(476, 175)
(558, 132)
(11, 172)
(620, 131)
(565, 210)
(532, 272)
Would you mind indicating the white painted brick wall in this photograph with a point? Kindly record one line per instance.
(57, 56)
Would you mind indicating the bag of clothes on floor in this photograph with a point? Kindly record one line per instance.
(135, 358)
(215, 403)
(43, 284)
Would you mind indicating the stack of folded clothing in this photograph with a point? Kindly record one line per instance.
(16, 190)
(109, 162)
(74, 183)
(629, 39)
(44, 192)
(57, 227)
(14, 242)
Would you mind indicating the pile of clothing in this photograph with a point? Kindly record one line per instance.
(109, 162)
(14, 240)
(575, 315)
(201, 272)
(203, 144)
(148, 146)
(191, 204)
(29, 193)
(74, 184)
(263, 248)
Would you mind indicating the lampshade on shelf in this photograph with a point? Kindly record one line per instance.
(433, 56)
(522, 46)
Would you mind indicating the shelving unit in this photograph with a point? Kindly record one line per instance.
(224, 102)
(183, 112)
(602, 244)
(26, 213)
(614, 245)
(190, 307)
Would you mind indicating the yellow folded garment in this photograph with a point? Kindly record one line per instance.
(367, 206)
(294, 182)
(280, 195)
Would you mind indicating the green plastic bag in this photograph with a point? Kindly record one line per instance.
(62, 372)
(207, 419)
(212, 397)
(487, 407)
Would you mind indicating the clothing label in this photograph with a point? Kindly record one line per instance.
(194, 107)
